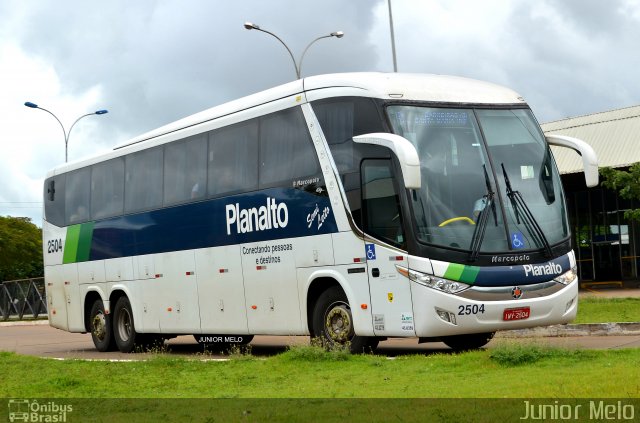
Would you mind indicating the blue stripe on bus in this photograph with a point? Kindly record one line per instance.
(523, 274)
(204, 224)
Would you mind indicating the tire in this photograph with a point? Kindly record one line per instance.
(100, 327)
(124, 331)
(333, 323)
(468, 342)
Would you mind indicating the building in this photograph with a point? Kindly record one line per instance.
(607, 245)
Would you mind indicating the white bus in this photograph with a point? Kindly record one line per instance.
(349, 207)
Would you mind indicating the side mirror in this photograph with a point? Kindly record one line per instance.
(589, 158)
(403, 149)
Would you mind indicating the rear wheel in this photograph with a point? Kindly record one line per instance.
(471, 341)
(124, 331)
(100, 326)
(333, 323)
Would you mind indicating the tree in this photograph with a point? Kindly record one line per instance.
(20, 249)
(627, 183)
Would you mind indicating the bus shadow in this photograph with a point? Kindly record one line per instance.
(260, 349)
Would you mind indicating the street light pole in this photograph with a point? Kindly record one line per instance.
(337, 34)
(393, 39)
(64, 131)
(296, 65)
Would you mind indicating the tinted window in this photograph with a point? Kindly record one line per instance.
(233, 159)
(341, 119)
(107, 189)
(286, 150)
(185, 170)
(54, 200)
(77, 196)
(380, 202)
(143, 180)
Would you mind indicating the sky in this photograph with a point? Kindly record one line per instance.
(152, 62)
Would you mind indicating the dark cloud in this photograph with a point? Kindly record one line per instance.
(159, 61)
(566, 58)
(578, 56)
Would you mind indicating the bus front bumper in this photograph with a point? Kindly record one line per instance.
(479, 310)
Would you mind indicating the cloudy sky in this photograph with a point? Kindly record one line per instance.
(152, 62)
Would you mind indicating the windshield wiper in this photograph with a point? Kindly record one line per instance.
(483, 217)
(530, 222)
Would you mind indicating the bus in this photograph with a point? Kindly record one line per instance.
(349, 207)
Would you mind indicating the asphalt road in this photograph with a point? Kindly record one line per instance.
(44, 341)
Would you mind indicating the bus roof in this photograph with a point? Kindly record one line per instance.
(390, 86)
(399, 86)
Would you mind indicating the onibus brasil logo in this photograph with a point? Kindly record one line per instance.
(24, 410)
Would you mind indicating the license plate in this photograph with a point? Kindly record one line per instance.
(516, 313)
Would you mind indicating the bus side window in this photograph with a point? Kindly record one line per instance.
(380, 202)
(286, 150)
(78, 196)
(143, 180)
(54, 199)
(185, 170)
(107, 189)
(233, 159)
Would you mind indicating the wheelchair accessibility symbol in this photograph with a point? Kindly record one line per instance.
(371, 251)
(517, 240)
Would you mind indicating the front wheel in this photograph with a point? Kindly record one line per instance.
(100, 326)
(333, 323)
(471, 341)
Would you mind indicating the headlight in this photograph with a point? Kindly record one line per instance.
(568, 277)
(434, 282)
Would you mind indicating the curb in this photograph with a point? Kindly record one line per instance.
(24, 323)
(585, 329)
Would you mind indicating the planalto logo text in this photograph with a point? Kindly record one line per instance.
(273, 215)
(542, 269)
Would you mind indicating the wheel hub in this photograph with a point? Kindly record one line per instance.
(99, 326)
(338, 324)
(124, 325)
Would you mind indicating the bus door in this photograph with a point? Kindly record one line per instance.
(391, 302)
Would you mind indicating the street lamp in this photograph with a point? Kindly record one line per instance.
(66, 134)
(296, 65)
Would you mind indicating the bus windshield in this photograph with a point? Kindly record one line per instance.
(489, 183)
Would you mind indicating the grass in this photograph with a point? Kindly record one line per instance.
(531, 371)
(603, 310)
(308, 383)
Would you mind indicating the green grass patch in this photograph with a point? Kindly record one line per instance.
(518, 354)
(604, 310)
(507, 371)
